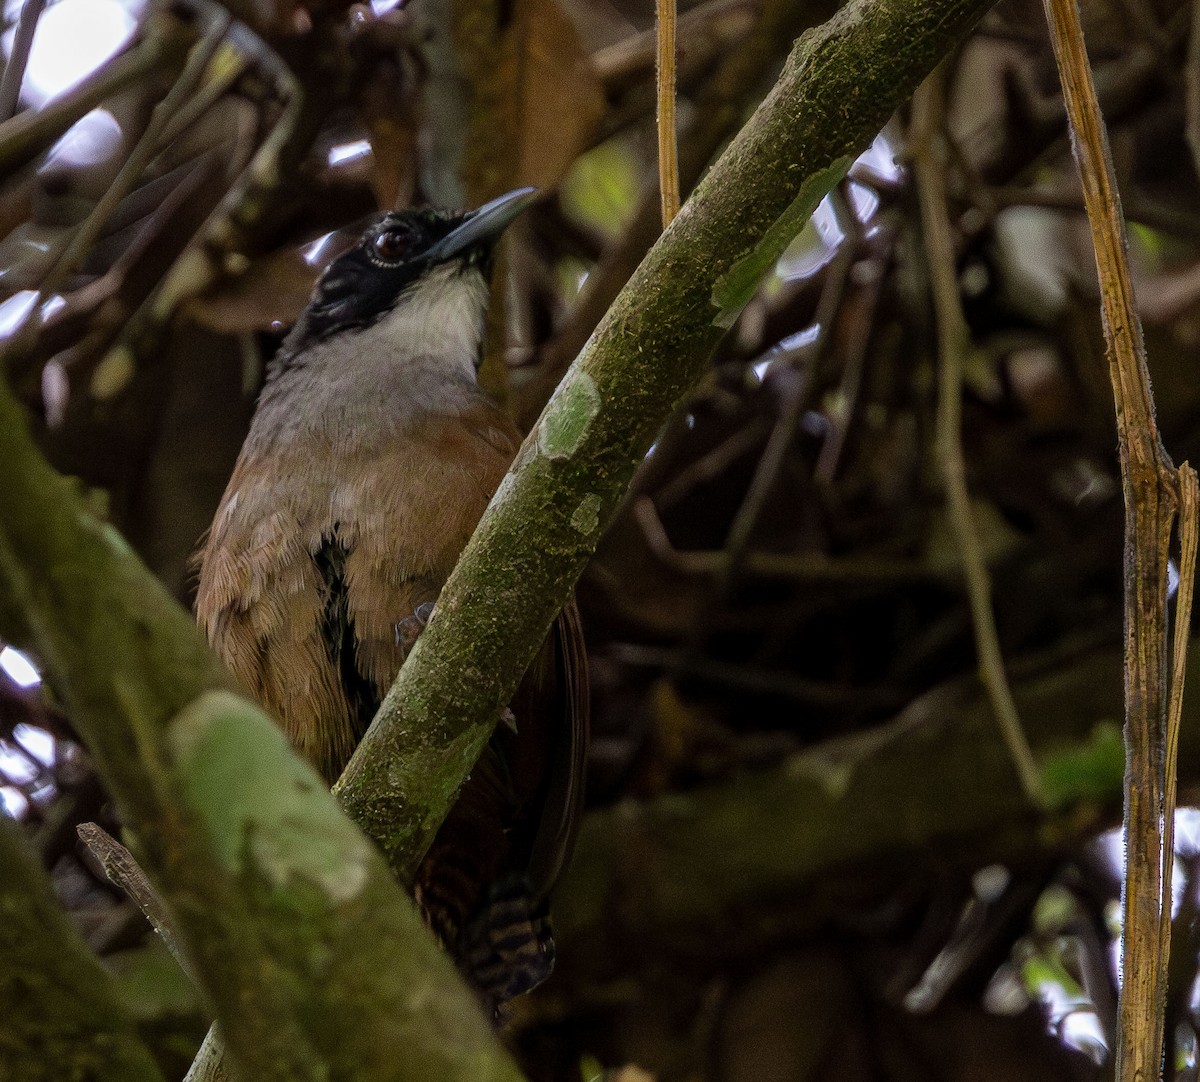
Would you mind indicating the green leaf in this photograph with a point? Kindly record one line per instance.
(736, 286)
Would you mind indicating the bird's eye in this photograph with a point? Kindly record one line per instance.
(391, 244)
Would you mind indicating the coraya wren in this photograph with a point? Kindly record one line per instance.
(370, 459)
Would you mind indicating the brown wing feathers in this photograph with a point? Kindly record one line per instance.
(303, 602)
(373, 532)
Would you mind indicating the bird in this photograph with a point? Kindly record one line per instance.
(370, 458)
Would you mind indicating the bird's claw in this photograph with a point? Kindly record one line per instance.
(409, 629)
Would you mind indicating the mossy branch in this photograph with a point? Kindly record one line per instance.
(701, 874)
(315, 963)
(839, 86)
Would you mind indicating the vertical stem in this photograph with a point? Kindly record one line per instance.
(953, 344)
(1189, 538)
(668, 148)
(1152, 489)
(14, 71)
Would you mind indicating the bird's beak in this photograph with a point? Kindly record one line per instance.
(483, 225)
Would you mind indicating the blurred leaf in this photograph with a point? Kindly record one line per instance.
(1149, 240)
(600, 189)
(388, 108)
(630, 1073)
(1093, 771)
(227, 62)
(150, 982)
(998, 538)
(801, 258)
(1042, 970)
(569, 275)
(273, 290)
(1055, 908)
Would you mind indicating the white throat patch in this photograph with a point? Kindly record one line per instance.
(443, 311)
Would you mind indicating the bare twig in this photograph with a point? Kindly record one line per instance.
(72, 251)
(1142, 23)
(209, 1064)
(216, 84)
(30, 132)
(798, 394)
(243, 206)
(713, 24)
(788, 567)
(1189, 534)
(858, 337)
(123, 870)
(1151, 489)
(1191, 100)
(63, 1014)
(147, 146)
(821, 694)
(14, 70)
(953, 343)
(1145, 211)
(668, 147)
(719, 107)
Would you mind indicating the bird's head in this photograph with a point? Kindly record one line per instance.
(407, 258)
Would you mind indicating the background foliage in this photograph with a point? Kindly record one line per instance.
(808, 853)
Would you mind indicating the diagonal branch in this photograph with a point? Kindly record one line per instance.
(316, 964)
(839, 86)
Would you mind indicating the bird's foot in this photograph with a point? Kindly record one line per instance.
(409, 629)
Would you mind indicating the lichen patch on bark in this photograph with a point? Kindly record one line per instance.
(267, 811)
(568, 416)
(586, 517)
